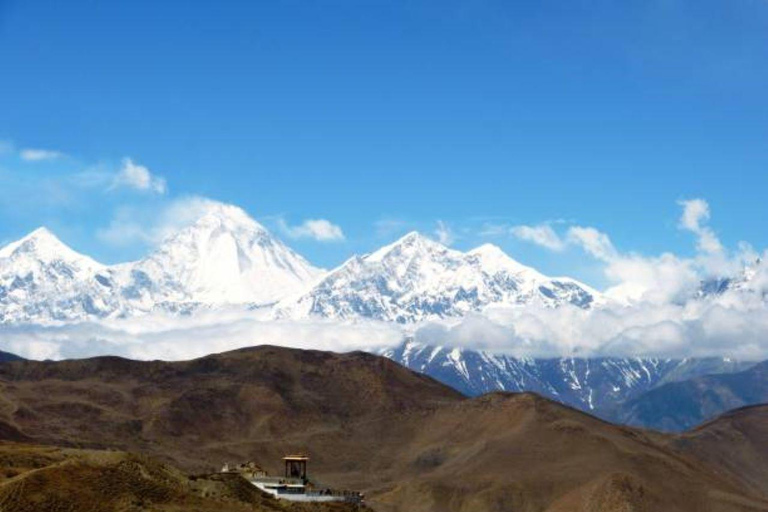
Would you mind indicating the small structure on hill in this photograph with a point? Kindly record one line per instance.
(296, 466)
(295, 485)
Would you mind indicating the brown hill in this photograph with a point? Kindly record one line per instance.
(411, 443)
(50, 479)
(736, 443)
(523, 453)
(197, 412)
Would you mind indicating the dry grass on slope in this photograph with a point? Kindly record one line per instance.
(49, 479)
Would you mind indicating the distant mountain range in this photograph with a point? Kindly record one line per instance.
(227, 258)
(678, 406)
(596, 385)
(416, 279)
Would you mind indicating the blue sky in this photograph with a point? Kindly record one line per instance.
(386, 114)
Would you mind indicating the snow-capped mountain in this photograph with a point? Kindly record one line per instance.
(40, 277)
(417, 279)
(224, 257)
(596, 385)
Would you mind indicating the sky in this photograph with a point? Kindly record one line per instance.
(343, 124)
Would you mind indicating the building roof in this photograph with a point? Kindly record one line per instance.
(296, 457)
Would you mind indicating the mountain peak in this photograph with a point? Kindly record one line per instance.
(212, 220)
(495, 258)
(413, 241)
(410, 239)
(43, 245)
(489, 250)
(228, 216)
(41, 232)
(225, 256)
(41, 236)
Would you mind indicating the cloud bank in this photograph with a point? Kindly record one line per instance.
(734, 324)
(180, 338)
(730, 326)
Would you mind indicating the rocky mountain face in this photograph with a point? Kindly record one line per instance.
(417, 279)
(595, 385)
(410, 443)
(224, 257)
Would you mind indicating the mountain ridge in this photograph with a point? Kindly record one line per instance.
(416, 279)
(226, 257)
(599, 385)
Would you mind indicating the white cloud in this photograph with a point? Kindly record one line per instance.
(658, 279)
(317, 229)
(542, 235)
(726, 326)
(444, 233)
(138, 177)
(180, 338)
(39, 155)
(731, 325)
(634, 277)
(694, 219)
(695, 211)
(594, 242)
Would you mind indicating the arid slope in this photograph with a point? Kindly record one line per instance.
(412, 444)
(50, 479)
